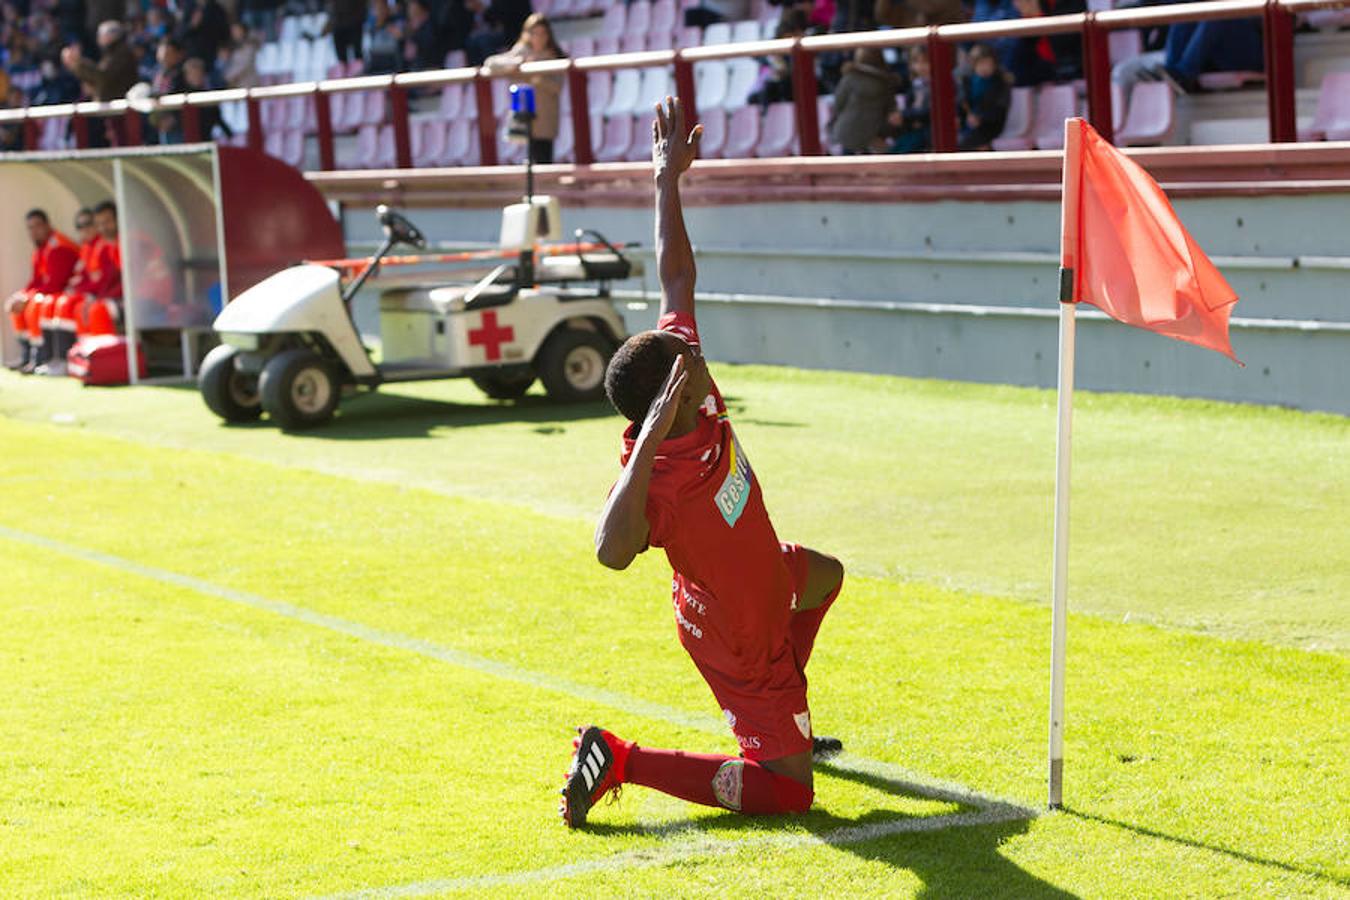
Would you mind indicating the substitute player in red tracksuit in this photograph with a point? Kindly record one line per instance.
(747, 607)
(55, 322)
(99, 309)
(54, 258)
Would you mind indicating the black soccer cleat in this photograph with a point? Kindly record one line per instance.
(823, 748)
(597, 766)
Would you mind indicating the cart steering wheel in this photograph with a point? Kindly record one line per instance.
(399, 229)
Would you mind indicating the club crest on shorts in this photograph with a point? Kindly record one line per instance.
(726, 784)
(803, 720)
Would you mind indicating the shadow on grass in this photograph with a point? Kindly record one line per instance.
(377, 416)
(1213, 848)
(954, 854)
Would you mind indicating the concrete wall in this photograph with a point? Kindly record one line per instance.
(967, 291)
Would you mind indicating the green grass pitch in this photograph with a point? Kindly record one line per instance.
(242, 663)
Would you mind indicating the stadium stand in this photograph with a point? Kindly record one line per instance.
(364, 124)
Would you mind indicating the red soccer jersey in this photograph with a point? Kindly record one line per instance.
(103, 275)
(79, 280)
(733, 591)
(52, 264)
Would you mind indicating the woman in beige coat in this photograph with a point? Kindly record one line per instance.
(536, 42)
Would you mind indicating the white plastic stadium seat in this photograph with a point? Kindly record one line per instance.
(717, 33)
(627, 92)
(564, 147)
(1055, 103)
(461, 143)
(688, 37)
(599, 88)
(656, 86)
(714, 123)
(1151, 116)
(452, 100)
(744, 77)
(1017, 133)
(745, 32)
(778, 134)
(633, 42)
(711, 79)
(1331, 121)
(580, 47)
(663, 22)
(1124, 45)
(638, 19)
(742, 133)
(616, 17)
(640, 148)
(617, 138)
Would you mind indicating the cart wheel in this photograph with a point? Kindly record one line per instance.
(572, 365)
(230, 394)
(504, 387)
(299, 389)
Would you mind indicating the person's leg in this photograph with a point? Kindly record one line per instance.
(603, 762)
(32, 326)
(541, 151)
(102, 316)
(1234, 46)
(817, 578)
(1179, 54)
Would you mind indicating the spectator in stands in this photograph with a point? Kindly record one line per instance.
(345, 18)
(984, 98)
(96, 12)
(115, 71)
(912, 13)
(11, 133)
(536, 42)
(1036, 60)
(708, 12)
(57, 85)
(775, 74)
(168, 80)
(384, 39)
(157, 24)
(54, 259)
(422, 49)
(496, 24)
(238, 62)
(196, 77)
(259, 16)
(913, 132)
(863, 102)
(1220, 45)
(205, 28)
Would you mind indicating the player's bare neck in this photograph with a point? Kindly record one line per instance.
(686, 420)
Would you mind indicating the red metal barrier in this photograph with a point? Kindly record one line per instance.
(192, 124)
(805, 92)
(581, 116)
(487, 121)
(1280, 82)
(1097, 68)
(255, 131)
(942, 99)
(323, 124)
(684, 88)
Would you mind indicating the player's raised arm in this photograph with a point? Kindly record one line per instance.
(673, 150)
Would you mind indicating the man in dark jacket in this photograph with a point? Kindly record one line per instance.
(345, 18)
(114, 73)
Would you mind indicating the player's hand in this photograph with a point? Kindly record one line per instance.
(661, 414)
(673, 149)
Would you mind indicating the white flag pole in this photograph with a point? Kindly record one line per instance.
(1069, 265)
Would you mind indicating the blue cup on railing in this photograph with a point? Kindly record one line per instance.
(522, 99)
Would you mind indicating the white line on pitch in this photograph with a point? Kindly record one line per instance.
(678, 851)
(991, 809)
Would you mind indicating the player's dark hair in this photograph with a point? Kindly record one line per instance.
(36, 214)
(82, 212)
(636, 372)
(106, 206)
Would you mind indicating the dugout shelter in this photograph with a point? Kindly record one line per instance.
(198, 224)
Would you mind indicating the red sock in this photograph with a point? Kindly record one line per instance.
(714, 780)
(805, 624)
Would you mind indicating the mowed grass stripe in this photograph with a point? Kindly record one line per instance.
(1232, 752)
(204, 791)
(631, 706)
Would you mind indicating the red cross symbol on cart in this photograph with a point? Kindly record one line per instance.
(491, 336)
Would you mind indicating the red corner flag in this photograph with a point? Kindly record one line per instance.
(1129, 254)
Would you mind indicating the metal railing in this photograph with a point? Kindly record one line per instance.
(1278, 38)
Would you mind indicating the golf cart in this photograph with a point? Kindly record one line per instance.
(290, 346)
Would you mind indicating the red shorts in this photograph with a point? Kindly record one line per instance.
(767, 711)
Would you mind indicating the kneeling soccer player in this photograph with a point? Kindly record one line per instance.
(747, 607)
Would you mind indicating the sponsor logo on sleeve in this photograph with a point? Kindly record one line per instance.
(735, 490)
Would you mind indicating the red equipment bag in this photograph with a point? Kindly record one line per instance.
(102, 360)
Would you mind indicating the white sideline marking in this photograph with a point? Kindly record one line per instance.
(990, 809)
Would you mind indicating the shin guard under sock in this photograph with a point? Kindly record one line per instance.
(714, 780)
